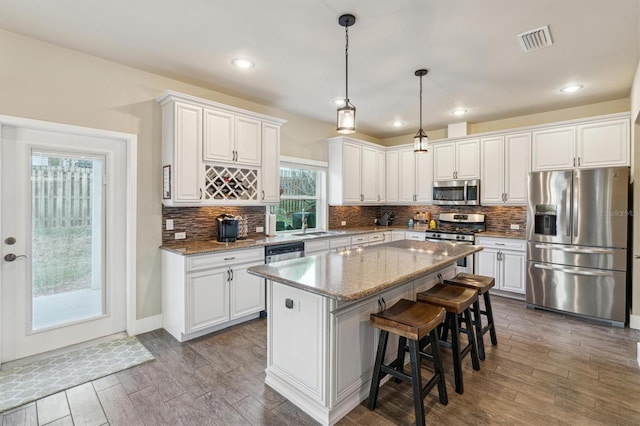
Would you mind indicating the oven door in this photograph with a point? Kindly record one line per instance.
(463, 265)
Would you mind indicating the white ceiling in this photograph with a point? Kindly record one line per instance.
(469, 46)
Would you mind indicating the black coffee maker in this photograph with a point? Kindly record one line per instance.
(227, 228)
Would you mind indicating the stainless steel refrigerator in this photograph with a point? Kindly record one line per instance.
(577, 242)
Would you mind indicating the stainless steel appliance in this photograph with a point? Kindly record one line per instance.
(227, 231)
(278, 252)
(577, 242)
(456, 193)
(458, 228)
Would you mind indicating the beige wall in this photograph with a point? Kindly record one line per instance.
(45, 82)
(610, 107)
(635, 146)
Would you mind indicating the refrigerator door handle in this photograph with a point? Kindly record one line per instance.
(568, 206)
(575, 196)
(574, 250)
(594, 272)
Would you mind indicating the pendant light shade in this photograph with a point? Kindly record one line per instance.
(421, 140)
(347, 112)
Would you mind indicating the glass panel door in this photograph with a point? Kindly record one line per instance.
(67, 215)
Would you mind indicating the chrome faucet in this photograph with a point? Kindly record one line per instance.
(304, 223)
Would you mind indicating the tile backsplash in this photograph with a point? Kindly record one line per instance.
(199, 223)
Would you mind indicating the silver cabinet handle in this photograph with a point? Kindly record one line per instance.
(593, 272)
(262, 195)
(578, 161)
(229, 258)
(11, 257)
(228, 275)
(231, 274)
(201, 193)
(574, 161)
(378, 197)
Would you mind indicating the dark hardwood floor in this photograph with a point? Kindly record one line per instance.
(547, 369)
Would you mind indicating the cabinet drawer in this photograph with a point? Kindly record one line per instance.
(339, 242)
(313, 246)
(359, 239)
(225, 258)
(376, 237)
(416, 236)
(502, 243)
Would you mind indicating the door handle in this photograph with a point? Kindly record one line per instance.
(11, 257)
(231, 270)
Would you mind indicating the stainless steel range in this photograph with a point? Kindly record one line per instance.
(458, 228)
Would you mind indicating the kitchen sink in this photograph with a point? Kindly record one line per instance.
(318, 233)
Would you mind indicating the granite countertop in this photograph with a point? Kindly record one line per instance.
(356, 274)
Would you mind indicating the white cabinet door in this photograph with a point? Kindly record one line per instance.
(517, 165)
(468, 159)
(487, 264)
(603, 144)
(351, 173)
(207, 298)
(444, 161)
(406, 176)
(381, 175)
(553, 148)
(512, 268)
(369, 175)
(392, 175)
(493, 176)
(248, 133)
(270, 176)
(218, 136)
(397, 235)
(424, 176)
(246, 291)
(186, 152)
(415, 235)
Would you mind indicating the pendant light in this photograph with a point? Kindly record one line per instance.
(347, 112)
(421, 140)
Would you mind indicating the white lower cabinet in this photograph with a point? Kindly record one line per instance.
(505, 260)
(208, 292)
(397, 236)
(322, 352)
(415, 235)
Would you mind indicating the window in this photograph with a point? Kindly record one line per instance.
(302, 195)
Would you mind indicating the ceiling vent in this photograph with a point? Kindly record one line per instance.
(535, 39)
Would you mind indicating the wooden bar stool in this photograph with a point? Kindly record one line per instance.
(457, 301)
(481, 284)
(411, 321)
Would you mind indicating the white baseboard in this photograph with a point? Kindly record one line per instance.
(634, 321)
(146, 324)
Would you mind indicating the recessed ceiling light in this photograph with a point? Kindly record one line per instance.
(397, 123)
(459, 111)
(243, 63)
(339, 101)
(572, 88)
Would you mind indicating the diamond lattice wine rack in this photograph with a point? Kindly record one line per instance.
(230, 183)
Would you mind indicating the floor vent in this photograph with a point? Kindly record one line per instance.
(535, 39)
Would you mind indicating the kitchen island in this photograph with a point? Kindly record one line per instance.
(320, 346)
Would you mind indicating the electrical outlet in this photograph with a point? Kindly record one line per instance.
(169, 225)
(259, 229)
(343, 223)
(180, 235)
(515, 227)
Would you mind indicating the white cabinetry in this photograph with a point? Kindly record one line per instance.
(409, 176)
(415, 235)
(505, 260)
(213, 153)
(208, 292)
(456, 160)
(356, 172)
(505, 164)
(270, 179)
(602, 143)
(317, 246)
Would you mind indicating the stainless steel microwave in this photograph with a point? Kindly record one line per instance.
(456, 193)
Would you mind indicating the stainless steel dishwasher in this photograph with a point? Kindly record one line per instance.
(278, 252)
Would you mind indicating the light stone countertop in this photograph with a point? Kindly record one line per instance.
(356, 274)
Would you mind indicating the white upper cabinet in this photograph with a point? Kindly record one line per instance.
(456, 160)
(392, 173)
(356, 172)
(505, 163)
(270, 191)
(409, 176)
(601, 143)
(212, 153)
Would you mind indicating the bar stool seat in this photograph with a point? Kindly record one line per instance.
(457, 301)
(482, 285)
(414, 322)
